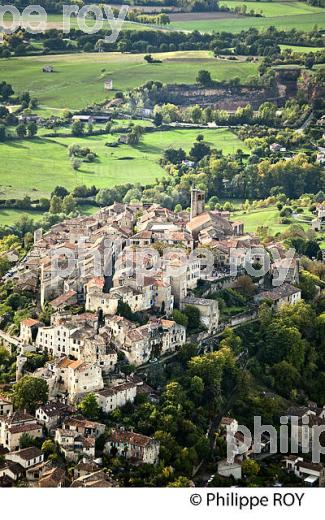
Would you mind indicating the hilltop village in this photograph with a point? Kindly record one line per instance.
(124, 291)
(162, 246)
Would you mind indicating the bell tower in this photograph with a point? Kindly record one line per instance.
(197, 202)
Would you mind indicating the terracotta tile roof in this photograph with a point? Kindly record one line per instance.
(64, 363)
(22, 428)
(89, 442)
(52, 409)
(135, 335)
(63, 298)
(130, 438)
(89, 316)
(69, 363)
(143, 235)
(277, 293)
(198, 221)
(88, 466)
(207, 217)
(76, 365)
(167, 324)
(97, 281)
(107, 392)
(52, 478)
(5, 399)
(84, 423)
(18, 417)
(29, 322)
(27, 453)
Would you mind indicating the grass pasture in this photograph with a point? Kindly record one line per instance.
(300, 49)
(78, 80)
(286, 23)
(272, 9)
(284, 15)
(36, 166)
(263, 217)
(10, 216)
(288, 15)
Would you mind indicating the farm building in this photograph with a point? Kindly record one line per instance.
(108, 84)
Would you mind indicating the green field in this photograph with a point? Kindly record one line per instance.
(78, 79)
(285, 15)
(36, 166)
(55, 21)
(10, 216)
(272, 9)
(263, 217)
(115, 125)
(298, 48)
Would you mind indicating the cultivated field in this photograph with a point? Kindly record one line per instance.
(78, 79)
(299, 22)
(36, 166)
(282, 15)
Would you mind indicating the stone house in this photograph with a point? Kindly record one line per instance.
(284, 294)
(52, 477)
(28, 330)
(77, 437)
(155, 338)
(74, 445)
(116, 396)
(77, 377)
(84, 426)
(304, 428)
(318, 224)
(27, 457)
(136, 447)
(6, 406)
(312, 474)
(53, 413)
(209, 311)
(13, 426)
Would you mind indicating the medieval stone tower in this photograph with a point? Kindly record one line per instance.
(21, 360)
(38, 233)
(197, 202)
